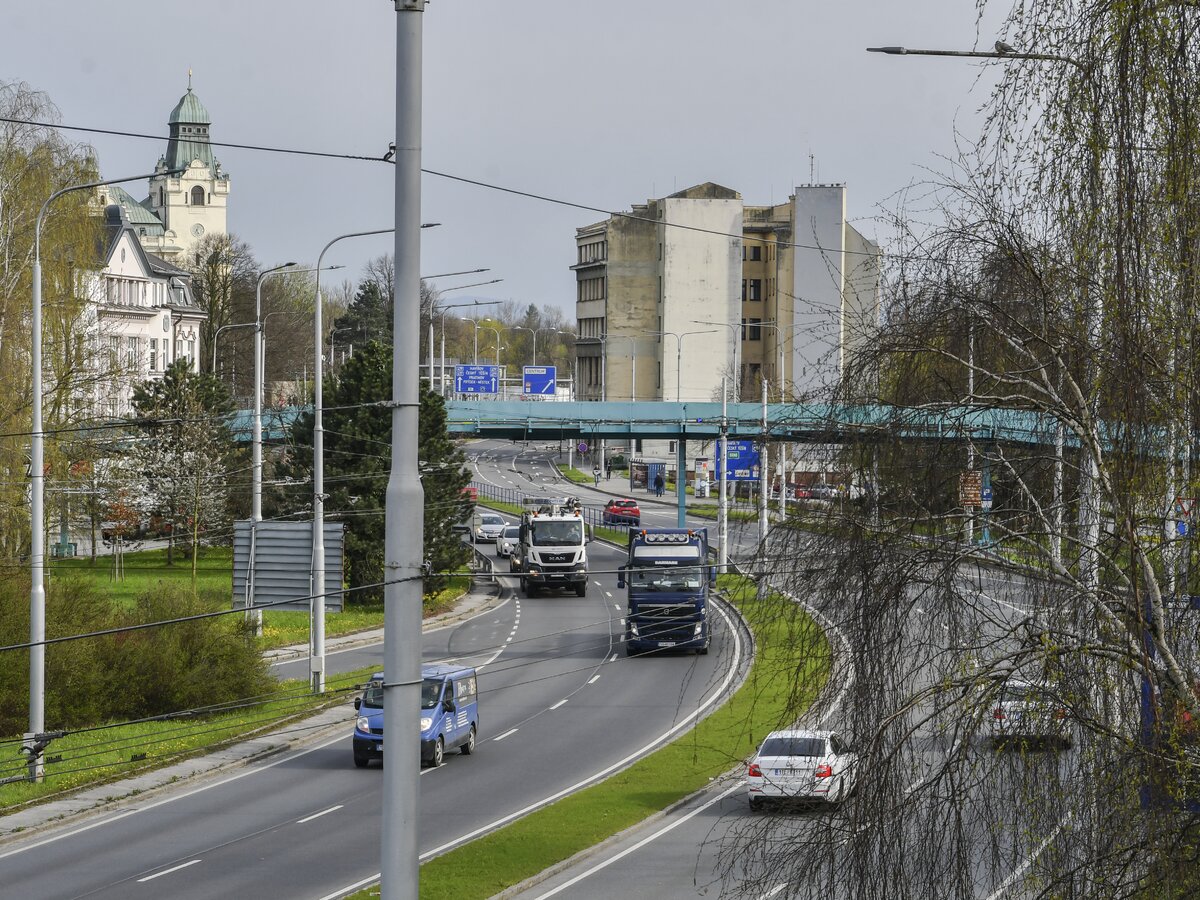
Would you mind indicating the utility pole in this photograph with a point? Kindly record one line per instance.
(404, 533)
(722, 475)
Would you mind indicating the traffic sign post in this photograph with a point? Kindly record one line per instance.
(538, 381)
(744, 460)
(477, 379)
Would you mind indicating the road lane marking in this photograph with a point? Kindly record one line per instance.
(613, 658)
(773, 891)
(643, 842)
(508, 733)
(318, 815)
(168, 871)
(608, 594)
(593, 679)
(1020, 870)
(559, 703)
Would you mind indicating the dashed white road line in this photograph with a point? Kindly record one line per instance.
(593, 679)
(559, 703)
(168, 871)
(773, 891)
(318, 815)
(613, 658)
(508, 733)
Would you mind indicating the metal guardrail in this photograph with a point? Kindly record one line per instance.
(592, 515)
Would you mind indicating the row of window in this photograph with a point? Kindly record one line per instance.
(597, 250)
(752, 253)
(198, 195)
(133, 352)
(752, 289)
(129, 292)
(592, 288)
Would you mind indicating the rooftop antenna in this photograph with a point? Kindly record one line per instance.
(811, 164)
(189, 78)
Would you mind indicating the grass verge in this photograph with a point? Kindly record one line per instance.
(574, 475)
(146, 569)
(286, 627)
(86, 758)
(791, 665)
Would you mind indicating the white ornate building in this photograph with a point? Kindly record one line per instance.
(142, 316)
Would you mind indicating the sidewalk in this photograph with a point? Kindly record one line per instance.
(325, 724)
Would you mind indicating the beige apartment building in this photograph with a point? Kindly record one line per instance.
(687, 290)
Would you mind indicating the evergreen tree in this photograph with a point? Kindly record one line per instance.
(358, 437)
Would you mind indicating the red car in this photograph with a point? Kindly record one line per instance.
(622, 511)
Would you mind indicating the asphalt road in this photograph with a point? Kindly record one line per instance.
(559, 705)
(715, 846)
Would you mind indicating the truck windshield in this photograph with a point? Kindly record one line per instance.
(666, 578)
(553, 534)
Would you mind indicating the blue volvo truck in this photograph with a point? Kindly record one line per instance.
(668, 579)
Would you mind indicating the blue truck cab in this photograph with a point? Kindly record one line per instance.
(668, 579)
(449, 715)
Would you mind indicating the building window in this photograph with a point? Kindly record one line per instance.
(755, 289)
(131, 352)
(114, 350)
(756, 254)
(197, 196)
(191, 352)
(160, 195)
(596, 250)
(153, 354)
(591, 289)
(751, 330)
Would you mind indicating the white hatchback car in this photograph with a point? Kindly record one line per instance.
(488, 527)
(507, 542)
(801, 765)
(1029, 712)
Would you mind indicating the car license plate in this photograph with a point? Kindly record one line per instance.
(666, 643)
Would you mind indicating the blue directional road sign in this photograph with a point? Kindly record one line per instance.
(539, 380)
(743, 461)
(477, 379)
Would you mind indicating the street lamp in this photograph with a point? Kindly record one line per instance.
(679, 336)
(37, 475)
(978, 54)
(316, 637)
(632, 356)
(217, 334)
(446, 309)
(734, 330)
(475, 346)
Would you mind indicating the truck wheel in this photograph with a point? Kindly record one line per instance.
(469, 747)
(439, 753)
(530, 590)
(361, 761)
(703, 651)
(581, 589)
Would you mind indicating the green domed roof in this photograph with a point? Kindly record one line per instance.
(189, 111)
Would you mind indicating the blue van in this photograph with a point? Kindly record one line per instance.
(449, 715)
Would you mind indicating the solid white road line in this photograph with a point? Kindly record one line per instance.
(508, 733)
(638, 846)
(318, 815)
(559, 703)
(168, 871)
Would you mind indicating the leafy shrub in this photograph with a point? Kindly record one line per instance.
(126, 675)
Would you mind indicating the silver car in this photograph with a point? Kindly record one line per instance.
(488, 527)
(801, 765)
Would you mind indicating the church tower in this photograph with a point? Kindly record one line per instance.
(192, 204)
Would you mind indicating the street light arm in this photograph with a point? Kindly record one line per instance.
(37, 231)
(978, 54)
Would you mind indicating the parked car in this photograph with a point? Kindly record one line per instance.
(487, 527)
(1027, 713)
(506, 544)
(801, 765)
(622, 511)
(823, 491)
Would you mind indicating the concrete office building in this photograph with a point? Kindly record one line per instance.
(802, 283)
(642, 281)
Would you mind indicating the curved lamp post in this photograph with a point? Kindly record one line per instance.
(37, 548)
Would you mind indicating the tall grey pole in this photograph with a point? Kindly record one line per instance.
(404, 532)
(316, 613)
(254, 617)
(443, 366)
(763, 475)
(723, 477)
(37, 486)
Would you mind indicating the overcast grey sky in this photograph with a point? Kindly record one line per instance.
(604, 104)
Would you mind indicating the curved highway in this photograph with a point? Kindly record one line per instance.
(559, 705)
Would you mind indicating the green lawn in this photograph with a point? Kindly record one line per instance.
(145, 569)
(790, 667)
(93, 757)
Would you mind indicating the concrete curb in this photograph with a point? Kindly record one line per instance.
(91, 801)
